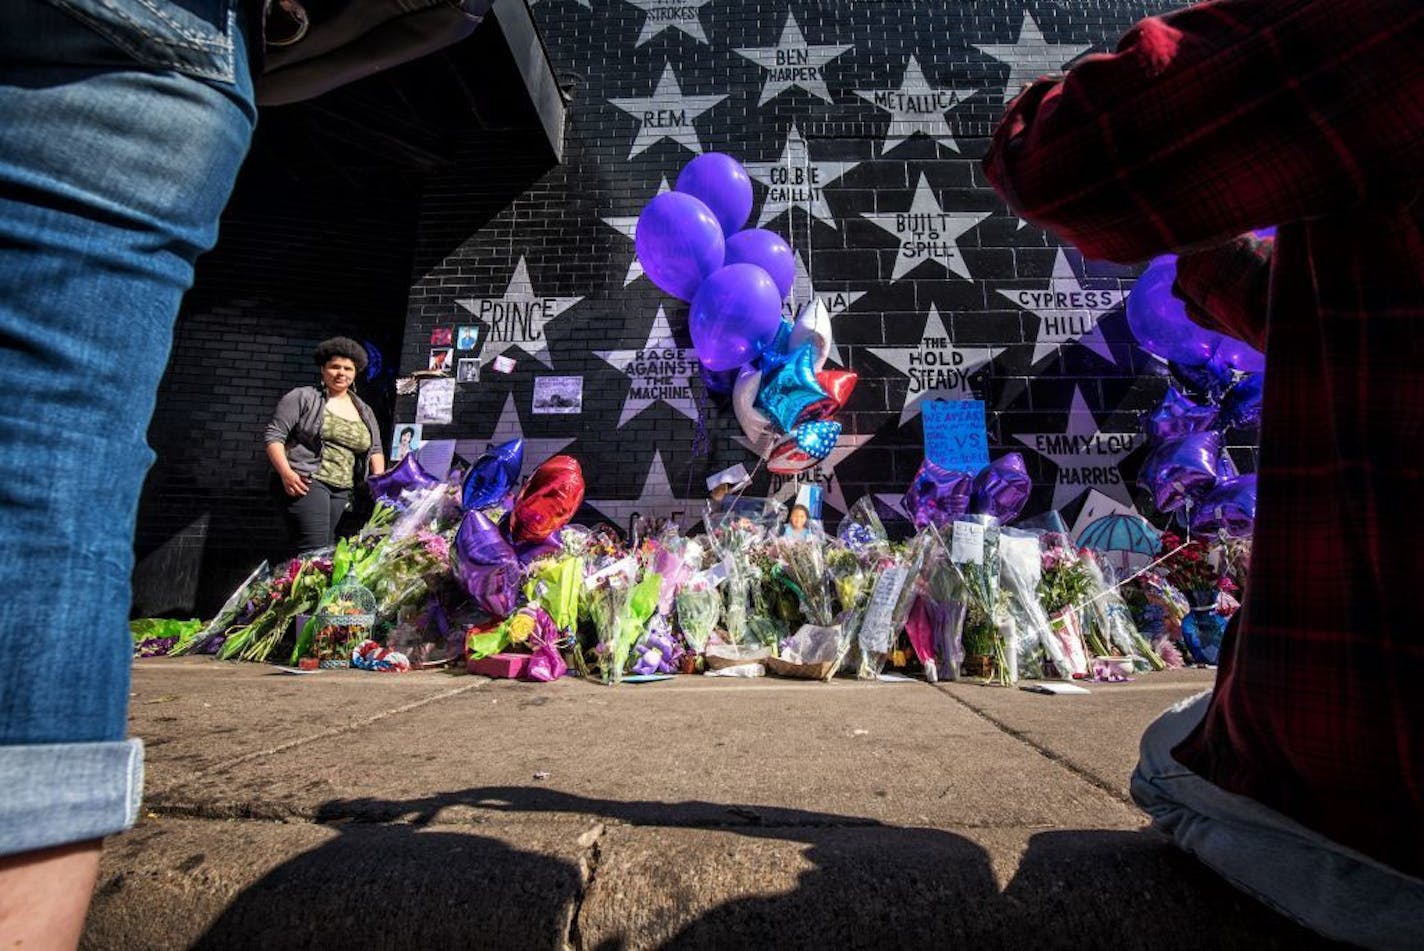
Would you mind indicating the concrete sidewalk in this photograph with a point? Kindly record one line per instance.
(428, 810)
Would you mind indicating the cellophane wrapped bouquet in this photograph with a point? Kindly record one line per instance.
(936, 614)
(887, 609)
(621, 604)
(1113, 619)
(1037, 653)
(1064, 588)
(699, 605)
(803, 565)
(974, 550)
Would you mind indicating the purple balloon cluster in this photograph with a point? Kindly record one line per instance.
(692, 244)
(939, 496)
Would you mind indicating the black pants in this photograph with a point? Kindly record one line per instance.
(312, 518)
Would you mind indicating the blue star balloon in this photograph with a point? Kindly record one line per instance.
(790, 388)
(817, 439)
(493, 474)
(778, 351)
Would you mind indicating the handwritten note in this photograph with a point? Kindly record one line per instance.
(875, 629)
(955, 434)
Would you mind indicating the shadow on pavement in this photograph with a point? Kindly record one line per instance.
(393, 879)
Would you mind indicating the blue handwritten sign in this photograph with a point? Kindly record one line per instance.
(955, 434)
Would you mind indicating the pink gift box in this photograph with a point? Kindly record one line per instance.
(506, 666)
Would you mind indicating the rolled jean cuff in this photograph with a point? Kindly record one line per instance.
(60, 793)
(1327, 887)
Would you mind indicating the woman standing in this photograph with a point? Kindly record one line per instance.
(322, 441)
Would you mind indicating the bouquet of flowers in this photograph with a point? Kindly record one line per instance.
(848, 576)
(698, 605)
(1035, 649)
(862, 532)
(887, 609)
(621, 608)
(1192, 570)
(1112, 617)
(1064, 587)
(974, 550)
(803, 567)
(406, 570)
(295, 591)
(936, 614)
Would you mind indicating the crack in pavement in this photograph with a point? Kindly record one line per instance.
(341, 730)
(1047, 753)
(592, 842)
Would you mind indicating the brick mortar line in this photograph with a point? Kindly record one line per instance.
(1053, 757)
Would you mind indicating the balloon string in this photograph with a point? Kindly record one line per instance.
(1136, 574)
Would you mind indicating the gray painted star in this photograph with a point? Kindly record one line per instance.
(936, 368)
(796, 181)
(666, 114)
(586, 4)
(802, 293)
(1067, 311)
(1030, 56)
(927, 232)
(1086, 457)
(655, 501)
(627, 226)
(536, 450)
(671, 15)
(519, 317)
(916, 108)
(794, 63)
(661, 371)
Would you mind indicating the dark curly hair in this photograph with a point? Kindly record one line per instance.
(340, 347)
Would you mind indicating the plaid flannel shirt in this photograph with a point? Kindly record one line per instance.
(1307, 114)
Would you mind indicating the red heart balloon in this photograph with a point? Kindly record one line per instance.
(838, 384)
(548, 500)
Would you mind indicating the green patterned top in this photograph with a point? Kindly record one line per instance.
(342, 441)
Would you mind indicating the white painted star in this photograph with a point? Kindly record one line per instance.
(916, 108)
(655, 501)
(507, 427)
(784, 488)
(927, 232)
(794, 63)
(1067, 311)
(519, 317)
(666, 114)
(1086, 457)
(1030, 56)
(671, 15)
(837, 302)
(661, 371)
(627, 226)
(937, 369)
(795, 181)
(893, 501)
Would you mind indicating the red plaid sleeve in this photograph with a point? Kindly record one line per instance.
(1225, 287)
(1218, 119)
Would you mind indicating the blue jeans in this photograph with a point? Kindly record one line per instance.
(122, 126)
(1301, 874)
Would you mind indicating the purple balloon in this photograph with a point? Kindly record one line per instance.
(1212, 377)
(1230, 508)
(736, 313)
(530, 552)
(1241, 406)
(790, 388)
(1226, 467)
(1238, 355)
(1181, 470)
(766, 250)
(1159, 320)
(486, 565)
(679, 243)
(493, 475)
(407, 475)
(722, 184)
(1177, 416)
(1001, 488)
(938, 495)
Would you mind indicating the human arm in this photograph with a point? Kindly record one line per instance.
(279, 428)
(1218, 119)
(293, 482)
(1225, 288)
